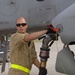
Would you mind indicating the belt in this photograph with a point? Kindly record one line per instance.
(19, 67)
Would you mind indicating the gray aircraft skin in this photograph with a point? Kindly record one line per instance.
(38, 14)
(65, 22)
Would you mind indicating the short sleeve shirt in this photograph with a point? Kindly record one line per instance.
(21, 52)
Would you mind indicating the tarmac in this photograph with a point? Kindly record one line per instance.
(57, 46)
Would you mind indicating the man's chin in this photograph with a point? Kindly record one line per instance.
(21, 32)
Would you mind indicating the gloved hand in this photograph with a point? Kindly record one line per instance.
(51, 29)
(42, 71)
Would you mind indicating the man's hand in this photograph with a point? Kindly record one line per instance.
(42, 71)
(51, 29)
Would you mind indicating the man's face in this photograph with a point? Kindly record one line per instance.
(21, 25)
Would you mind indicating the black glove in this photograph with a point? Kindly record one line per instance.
(49, 30)
(42, 71)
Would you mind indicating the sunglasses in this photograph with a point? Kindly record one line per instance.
(21, 24)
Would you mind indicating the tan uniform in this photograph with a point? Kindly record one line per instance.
(21, 53)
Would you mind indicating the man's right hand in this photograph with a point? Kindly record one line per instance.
(51, 29)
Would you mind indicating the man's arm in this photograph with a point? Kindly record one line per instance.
(36, 63)
(35, 35)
